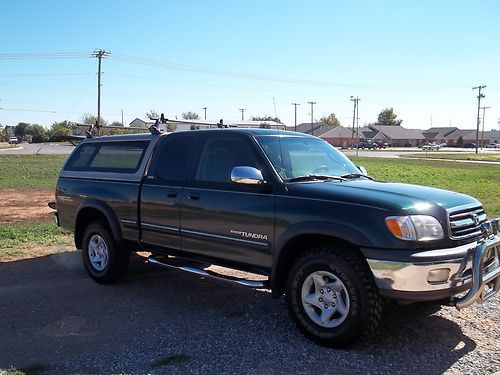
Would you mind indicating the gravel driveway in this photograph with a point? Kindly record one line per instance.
(55, 320)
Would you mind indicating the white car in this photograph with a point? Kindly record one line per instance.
(493, 145)
(431, 147)
(13, 141)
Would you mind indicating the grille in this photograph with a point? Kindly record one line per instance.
(466, 222)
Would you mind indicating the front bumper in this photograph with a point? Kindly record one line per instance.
(443, 275)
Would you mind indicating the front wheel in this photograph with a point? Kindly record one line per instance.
(104, 261)
(331, 296)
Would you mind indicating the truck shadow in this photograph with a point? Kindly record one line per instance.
(53, 315)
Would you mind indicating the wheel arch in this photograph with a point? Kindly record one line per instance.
(91, 211)
(298, 240)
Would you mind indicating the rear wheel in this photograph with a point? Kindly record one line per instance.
(104, 261)
(331, 296)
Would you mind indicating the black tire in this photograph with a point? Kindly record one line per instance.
(354, 305)
(110, 262)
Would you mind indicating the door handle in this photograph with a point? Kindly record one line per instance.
(172, 195)
(193, 197)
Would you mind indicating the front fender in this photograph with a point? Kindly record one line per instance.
(284, 254)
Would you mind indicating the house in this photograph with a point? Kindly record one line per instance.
(461, 137)
(492, 136)
(340, 137)
(141, 123)
(397, 136)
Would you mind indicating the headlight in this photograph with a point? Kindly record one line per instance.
(415, 227)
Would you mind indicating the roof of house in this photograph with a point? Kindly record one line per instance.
(465, 134)
(439, 131)
(338, 132)
(398, 132)
(319, 128)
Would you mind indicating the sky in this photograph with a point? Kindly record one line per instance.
(420, 57)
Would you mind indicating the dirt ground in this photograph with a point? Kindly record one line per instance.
(19, 205)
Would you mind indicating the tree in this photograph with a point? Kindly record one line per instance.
(190, 116)
(90, 119)
(20, 130)
(265, 118)
(59, 130)
(388, 117)
(152, 114)
(38, 133)
(264, 125)
(331, 119)
(116, 123)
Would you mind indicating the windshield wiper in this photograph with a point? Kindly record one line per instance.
(355, 175)
(314, 177)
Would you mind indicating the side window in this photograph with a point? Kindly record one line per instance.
(112, 157)
(220, 156)
(171, 160)
(81, 158)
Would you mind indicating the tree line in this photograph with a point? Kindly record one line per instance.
(38, 134)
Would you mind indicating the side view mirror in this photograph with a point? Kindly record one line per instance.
(247, 176)
(362, 170)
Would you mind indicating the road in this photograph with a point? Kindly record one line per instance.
(55, 320)
(57, 148)
(38, 148)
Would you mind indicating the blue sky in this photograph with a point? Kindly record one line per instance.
(420, 57)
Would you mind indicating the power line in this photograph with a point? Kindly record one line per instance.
(43, 55)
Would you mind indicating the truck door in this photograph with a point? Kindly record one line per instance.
(161, 191)
(224, 220)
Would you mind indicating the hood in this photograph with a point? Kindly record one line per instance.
(413, 199)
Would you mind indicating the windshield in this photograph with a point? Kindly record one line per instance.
(294, 157)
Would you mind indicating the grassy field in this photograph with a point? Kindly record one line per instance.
(40, 172)
(463, 156)
(30, 171)
(482, 181)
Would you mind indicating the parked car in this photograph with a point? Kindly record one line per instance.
(13, 141)
(368, 144)
(382, 144)
(469, 145)
(431, 147)
(493, 145)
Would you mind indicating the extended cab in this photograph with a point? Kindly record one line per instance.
(280, 204)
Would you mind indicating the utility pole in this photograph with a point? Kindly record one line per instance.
(482, 134)
(312, 117)
(295, 105)
(479, 97)
(123, 124)
(355, 100)
(242, 110)
(99, 54)
(357, 120)
(205, 109)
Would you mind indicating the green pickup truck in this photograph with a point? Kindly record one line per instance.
(280, 204)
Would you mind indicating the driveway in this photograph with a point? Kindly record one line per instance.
(55, 320)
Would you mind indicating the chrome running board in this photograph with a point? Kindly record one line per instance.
(164, 262)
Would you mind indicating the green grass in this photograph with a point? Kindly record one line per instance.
(463, 156)
(18, 234)
(30, 171)
(481, 181)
